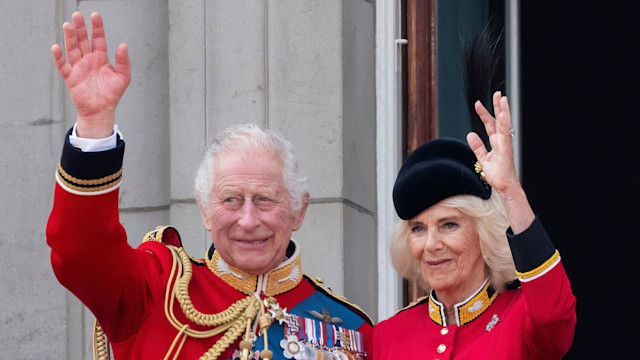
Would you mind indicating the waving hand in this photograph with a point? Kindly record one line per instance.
(498, 164)
(95, 86)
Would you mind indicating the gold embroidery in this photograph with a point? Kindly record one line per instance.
(412, 304)
(467, 311)
(238, 279)
(155, 235)
(473, 308)
(435, 311)
(89, 182)
(339, 298)
(478, 168)
(84, 189)
(285, 278)
(279, 280)
(545, 265)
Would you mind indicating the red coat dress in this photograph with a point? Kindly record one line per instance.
(125, 287)
(534, 321)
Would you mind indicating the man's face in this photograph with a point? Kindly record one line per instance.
(251, 219)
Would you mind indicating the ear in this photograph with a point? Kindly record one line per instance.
(206, 219)
(299, 216)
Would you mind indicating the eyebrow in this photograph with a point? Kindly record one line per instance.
(450, 218)
(224, 193)
(257, 192)
(455, 218)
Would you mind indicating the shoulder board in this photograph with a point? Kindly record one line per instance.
(318, 284)
(168, 235)
(420, 301)
(165, 234)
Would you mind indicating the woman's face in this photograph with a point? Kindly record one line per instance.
(445, 243)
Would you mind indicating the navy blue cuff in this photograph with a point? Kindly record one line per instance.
(90, 172)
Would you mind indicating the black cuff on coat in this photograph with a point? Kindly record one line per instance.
(531, 248)
(90, 172)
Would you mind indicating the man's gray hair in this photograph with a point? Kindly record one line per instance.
(242, 137)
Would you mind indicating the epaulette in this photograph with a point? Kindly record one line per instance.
(420, 301)
(168, 235)
(318, 284)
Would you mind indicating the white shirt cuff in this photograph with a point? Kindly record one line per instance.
(94, 145)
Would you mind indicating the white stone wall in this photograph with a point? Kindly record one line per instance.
(305, 68)
(33, 305)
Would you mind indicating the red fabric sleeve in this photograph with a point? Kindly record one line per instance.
(90, 256)
(550, 308)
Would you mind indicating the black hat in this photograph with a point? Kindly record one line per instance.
(436, 170)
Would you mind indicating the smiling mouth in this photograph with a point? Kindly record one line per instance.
(252, 242)
(437, 263)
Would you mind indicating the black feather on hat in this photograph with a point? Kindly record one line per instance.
(480, 59)
(445, 167)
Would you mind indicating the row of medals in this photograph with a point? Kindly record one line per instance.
(302, 349)
(309, 351)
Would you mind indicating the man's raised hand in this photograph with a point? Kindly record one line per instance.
(95, 86)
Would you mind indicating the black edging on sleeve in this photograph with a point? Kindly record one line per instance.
(531, 248)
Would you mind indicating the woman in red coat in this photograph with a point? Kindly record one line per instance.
(497, 288)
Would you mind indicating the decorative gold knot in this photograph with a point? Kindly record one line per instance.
(478, 168)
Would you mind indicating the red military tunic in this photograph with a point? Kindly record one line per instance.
(125, 288)
(536, 321)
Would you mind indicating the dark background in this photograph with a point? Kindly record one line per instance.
(580, 159)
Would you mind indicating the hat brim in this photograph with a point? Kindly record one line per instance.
(438, 169)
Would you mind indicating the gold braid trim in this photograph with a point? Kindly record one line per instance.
(89, 182)
(418, 301)
(472, 309)
(319, 285)
(232, 321)
(524, 276)
(157, 235)
(238, 279)
(279, 280)
(100, 344)
(85, 189)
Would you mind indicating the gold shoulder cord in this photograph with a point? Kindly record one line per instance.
(100, 343)
(233, 321)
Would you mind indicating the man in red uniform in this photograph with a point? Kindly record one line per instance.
(247, 298)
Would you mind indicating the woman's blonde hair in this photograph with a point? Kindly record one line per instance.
(491, 223)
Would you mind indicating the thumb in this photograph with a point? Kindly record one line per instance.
(123, 64)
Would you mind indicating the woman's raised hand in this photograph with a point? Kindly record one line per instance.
(498, 164)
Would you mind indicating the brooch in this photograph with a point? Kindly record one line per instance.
(494, 321)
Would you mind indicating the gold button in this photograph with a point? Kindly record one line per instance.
(444, 331)
(442, 348)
